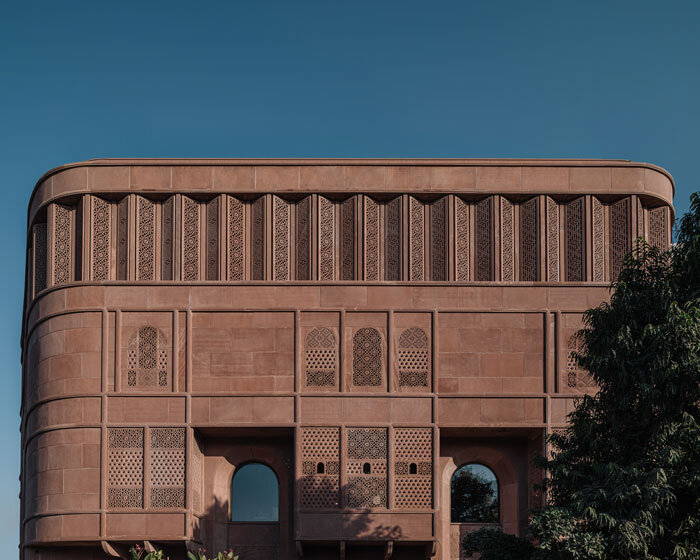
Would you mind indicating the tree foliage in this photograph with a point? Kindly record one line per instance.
(474, 498)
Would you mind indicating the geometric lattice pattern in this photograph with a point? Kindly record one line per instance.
(413, 467)
(62, 245)
(367, 357)
(167, 469)
(257, 241)
(461, 239)
(507, 240)
(39, 258)
(484, 237)
(147, 359)
(191, 229)
(100, 239)
(347, 239)
(303, 239)
(281, 239)
(320, 482)
(212, 239)
(575, 235)
(598, 240)
(236, 238)
(392, 239)
(125, 468)
(657, 228)
(371, 239)
(438, 239)
(166, 239)
(529, 237)
(620, 235)
(146, 236)
(576, 376)
(417, 237)
(367, 452)
(552, 240)
(320, 358)
(413, 358)
(326, 238)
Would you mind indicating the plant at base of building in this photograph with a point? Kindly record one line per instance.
(624, 478)
(493, 544)
(201, 554)
(139, 553)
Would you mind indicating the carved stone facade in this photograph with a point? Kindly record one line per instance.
(363, 328)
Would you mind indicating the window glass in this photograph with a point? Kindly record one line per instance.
(254, 494)
(474, 495)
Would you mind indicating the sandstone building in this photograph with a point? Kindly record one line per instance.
(308, 358)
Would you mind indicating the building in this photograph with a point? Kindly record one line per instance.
(308, 358)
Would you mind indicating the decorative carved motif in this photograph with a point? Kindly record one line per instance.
(146, 237)
(528, 242)
(367, 358)
(438, 239)
(320, 358)
(320, 446)
(392, 239)
(62, 245)
(166, 240)
(167, 476)
(575, 240)
(100, 239)
(258, 239)
(413, 358)
(484, 240)
(213, 239)
(413, 467)
(640, 219)
(40, 257)
(366, 466)
(507, 240)
(281, 239)
(552, 240)
(461, 239)
(123, 239)
(303, 239)
(236, 239)
(191, 240)
(148, 359)
(620, 235)
(347, 239)
(371, 239)
(598, 241)
(658, 227)
(125, 468)
(417, 237)
(576, 376)
(327, 235)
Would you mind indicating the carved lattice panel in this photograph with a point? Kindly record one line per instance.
(417, 239)
(100, 239)
(191, 227)
(62, 261)
(552, 240)
(125, 468)
(507, 240)
(367, 356)
(40, 256)
(326, 238)
(320, 477)
(167, 243)
(620, 235)
(235, 228)
(535, 451)
(575, 240)
(371, 239)
(484, 240)
(167, 472)
(146, 239)
(367, 450)
(123, 239)
(413, 467)
(392, 239)
(212, 237)
(438, 239)
(576, 376)
(280, 249)
(320, 357)
(257, 241)
(528, 242)
(461, 240)
(148, 359)
(658, 227)
(304, 239)
(347, 239)
(598, 240)
(413, 358)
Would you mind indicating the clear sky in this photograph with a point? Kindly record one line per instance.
(79, 80)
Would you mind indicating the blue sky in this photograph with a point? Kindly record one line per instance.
(613, 79)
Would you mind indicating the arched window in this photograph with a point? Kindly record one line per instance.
(474, 495)
(254, 494)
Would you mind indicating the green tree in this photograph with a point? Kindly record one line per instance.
(474, 498)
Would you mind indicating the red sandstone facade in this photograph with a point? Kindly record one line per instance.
(362, 327)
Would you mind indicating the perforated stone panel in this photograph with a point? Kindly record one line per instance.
(366, 447)
(257, 241)
(598, 240)
(123, 239)
(620, 235)
(125, 468)
(100, 239)
(484, 240)
(552, 240)
(320, 446)
(438, 239)
(528, 242)
(658, 227)
(413, 358)
(146, 235)
(576, 376)
(304, 239)
(148, 359)
(62, 261)
(212, 233)
(166, 239)
(367, 357)
(507, 240)
(167, 468)
(417, 239)
(461, 239)
(413, 447)
(191, 228)
(281, 239)
(235, 224)
(347, 239)
(575, 240)
(536, 474)
(392, 239)
(371, 239)
(40, 257)
(320, 358)
(326, 238)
